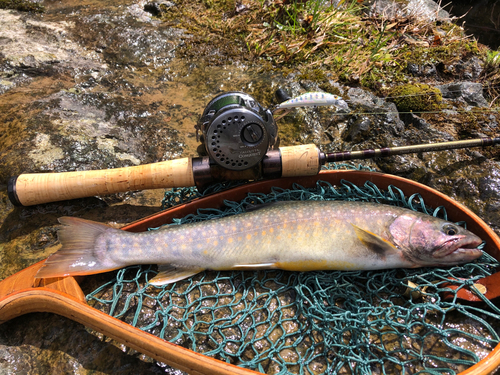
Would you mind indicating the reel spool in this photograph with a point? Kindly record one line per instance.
(237, 131)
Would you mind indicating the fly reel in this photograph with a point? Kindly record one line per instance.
(236, 131)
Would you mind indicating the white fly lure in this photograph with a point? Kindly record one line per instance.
(310, 99)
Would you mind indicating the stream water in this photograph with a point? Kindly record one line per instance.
(98, 84)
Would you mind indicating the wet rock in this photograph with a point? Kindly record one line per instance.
(75, 350)
(358, 130)
(126, 41)
(422, 9)
(158, 8)
(469, 92)
(469, 69)
(77, 131)
(35, 48)
(426, 70)
(382, 114)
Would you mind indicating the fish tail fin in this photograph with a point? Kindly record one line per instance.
(81, 252)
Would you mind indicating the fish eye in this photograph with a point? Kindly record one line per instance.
(450, 230)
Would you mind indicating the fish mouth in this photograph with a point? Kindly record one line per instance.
(460, 247)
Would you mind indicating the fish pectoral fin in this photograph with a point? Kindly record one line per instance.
(374, 242)
(253, 266)
(168, 274)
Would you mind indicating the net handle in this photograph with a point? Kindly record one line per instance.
(63, 296)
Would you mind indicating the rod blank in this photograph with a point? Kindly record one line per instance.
(401, 150)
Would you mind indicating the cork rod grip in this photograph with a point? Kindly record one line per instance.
(300, 160)
(37, 188)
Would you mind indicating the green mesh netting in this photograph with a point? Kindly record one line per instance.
(335, 322)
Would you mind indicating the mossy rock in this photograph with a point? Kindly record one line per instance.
(416, 98)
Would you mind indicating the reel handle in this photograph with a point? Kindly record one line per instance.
(36, 188)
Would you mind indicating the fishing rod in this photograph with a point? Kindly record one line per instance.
(239, 139)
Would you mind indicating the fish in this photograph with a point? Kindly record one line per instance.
(292, 235)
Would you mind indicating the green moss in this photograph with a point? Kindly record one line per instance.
(329, 88)
(445, 53)
(312, 75)
(22, 6)
(416, 98)
(320, 77)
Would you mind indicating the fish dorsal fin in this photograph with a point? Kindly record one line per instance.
(374, 242)
(168, 274)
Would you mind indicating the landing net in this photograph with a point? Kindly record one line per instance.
(335, 322)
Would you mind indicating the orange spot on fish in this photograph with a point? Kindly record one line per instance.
(229, 240)
(216, 243)
(271, 230)
(249, 236)
(263, 233)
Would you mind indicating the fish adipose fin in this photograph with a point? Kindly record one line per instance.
(374, 242)
(79, 254)
(168, 274)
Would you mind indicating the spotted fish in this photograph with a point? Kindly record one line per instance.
(296, 236)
